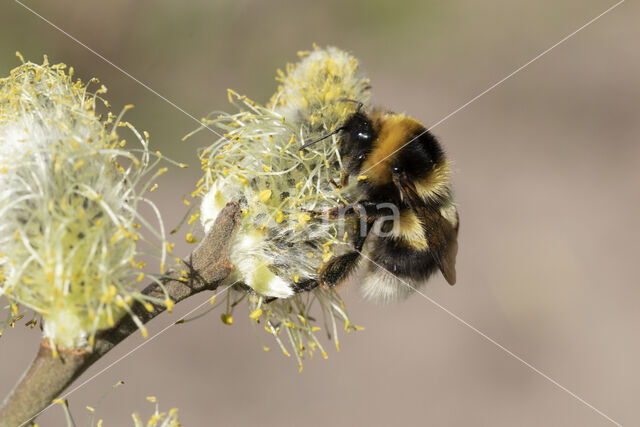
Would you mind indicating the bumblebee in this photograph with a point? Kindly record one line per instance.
(402, 174)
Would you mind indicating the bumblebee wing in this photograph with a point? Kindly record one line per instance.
(442, 237)
(447, 264)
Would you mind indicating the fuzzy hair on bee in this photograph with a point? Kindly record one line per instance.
(410, 222)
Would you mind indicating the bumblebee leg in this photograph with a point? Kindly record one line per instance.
(363, 209)
(312, 212)
(344, 180)
(362, 236)
(338, 268)
(304, 286)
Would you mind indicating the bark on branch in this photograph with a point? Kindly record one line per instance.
(49, 376)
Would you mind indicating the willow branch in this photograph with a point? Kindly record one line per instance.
(49, 376)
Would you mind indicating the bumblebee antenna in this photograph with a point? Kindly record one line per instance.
(308, 144)
(360, 104)
(321, 138)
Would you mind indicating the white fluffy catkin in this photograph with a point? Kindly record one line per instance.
(259, 164)
(69, 197)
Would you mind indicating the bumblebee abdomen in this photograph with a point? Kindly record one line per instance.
(395, 270)
(408, 231)
(402, 260)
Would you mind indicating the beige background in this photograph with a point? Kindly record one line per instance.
(546, 174)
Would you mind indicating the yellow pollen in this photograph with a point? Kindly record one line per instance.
(303, 218)
(264, 195)
(227, 319)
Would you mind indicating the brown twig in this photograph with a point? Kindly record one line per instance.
(49, 376)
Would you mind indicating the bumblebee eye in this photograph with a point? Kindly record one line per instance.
(362, 132)
(396, 169)
(363, 136)
(361, 157)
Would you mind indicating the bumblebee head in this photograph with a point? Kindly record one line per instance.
(394, 154)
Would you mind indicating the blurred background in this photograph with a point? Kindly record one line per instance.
(547, 167)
